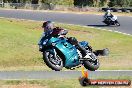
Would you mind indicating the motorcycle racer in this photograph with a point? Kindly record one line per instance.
(51, 30)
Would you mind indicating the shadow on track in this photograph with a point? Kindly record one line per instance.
(98, 25)
(113, 26)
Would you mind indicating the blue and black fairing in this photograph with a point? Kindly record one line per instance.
(83, 44)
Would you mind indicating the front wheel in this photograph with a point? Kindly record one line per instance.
(92, 64)
(117, 23)
(52, 61)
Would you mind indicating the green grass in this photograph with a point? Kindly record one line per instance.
(54, 83)
(19, 49)
(18, 45)
(60, 83)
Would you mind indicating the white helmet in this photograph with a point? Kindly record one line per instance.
(108, 11)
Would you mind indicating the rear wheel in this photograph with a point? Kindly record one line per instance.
(107, 23)
(52, 61)
(92, 64)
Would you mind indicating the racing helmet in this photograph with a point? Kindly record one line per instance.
(48, 25)
(108, 11)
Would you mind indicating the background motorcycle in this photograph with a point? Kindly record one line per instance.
(59, 53)
(111, 21)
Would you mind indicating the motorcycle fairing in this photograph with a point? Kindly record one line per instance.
(68, 50)
(83, 43)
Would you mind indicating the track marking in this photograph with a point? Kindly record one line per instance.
(14, 75)
(100, 70)
(104, 29)
(75, 25)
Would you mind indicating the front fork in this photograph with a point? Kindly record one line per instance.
(55, 53)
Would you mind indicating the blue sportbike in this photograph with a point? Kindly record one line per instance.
(58, 52)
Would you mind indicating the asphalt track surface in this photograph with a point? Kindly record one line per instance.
(70, 18)
(16, 75)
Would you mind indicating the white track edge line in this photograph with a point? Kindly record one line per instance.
(76, 25)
